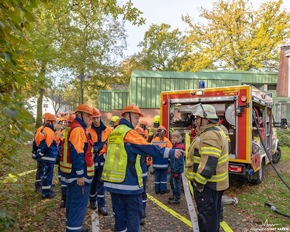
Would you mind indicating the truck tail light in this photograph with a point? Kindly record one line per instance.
(235, 169)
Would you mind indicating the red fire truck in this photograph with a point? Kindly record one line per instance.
(244, 110)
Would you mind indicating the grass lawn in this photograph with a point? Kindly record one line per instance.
(272, 190)
(21, 209)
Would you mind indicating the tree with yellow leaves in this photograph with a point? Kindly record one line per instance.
(235, 36)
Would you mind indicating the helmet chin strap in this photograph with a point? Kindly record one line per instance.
(82, 116)
(130, 118)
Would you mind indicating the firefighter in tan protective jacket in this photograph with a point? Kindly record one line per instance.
(207, 167)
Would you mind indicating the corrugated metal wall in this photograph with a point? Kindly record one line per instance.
(120, 99)
(145, 92)
(145, 87)
(105, 100)
(112, 99)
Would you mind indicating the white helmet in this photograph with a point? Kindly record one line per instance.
(204, 111)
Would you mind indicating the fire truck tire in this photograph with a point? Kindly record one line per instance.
(276, 156)
(259, 175)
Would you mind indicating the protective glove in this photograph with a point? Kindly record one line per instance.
(175, 175)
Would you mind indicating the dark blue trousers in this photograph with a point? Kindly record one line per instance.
(128, 211)
(77, 198)
(160, 182)
(97, 191)
(47, 177)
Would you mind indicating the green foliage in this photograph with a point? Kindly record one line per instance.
(235, 36)
(15, 18)
(39, 37)
(284, 137)
(6, 220)
(161, 48)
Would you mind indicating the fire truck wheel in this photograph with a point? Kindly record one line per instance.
(276, 156)
(259, 175)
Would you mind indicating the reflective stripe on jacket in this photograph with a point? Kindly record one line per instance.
(134, 145)
(48, 150)
(207, 159)
(160, 163)
(77, 159)
(117, 161)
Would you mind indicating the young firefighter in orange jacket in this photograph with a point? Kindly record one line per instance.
(99, 133)
(35, 148)
(122, 172)
(60, 135)
(77, 168)
(46, 154)
(160, 165)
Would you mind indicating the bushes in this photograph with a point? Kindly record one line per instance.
(284, 137)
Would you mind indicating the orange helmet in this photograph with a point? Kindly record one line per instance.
(71, 117)
(44, 115)
(140, 130)
(143, 122)
(160, 128)
(50, 117)
(96, 113)
(132, 109)
(84, 108)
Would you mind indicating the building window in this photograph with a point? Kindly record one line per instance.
(45, 106)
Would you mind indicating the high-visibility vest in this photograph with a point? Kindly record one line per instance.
(65, 161)
(117, 158)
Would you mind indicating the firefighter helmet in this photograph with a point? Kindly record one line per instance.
(140, 130)
(114, 118)
(116, 123)
(132, 109)
(96, 113)
(143, 122)
(161, 128)
(50, 117)
(71, 117)
(205, 111)
(85, 109)
(44, 115)
(156, 119)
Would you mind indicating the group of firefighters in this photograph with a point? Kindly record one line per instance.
(94, 158)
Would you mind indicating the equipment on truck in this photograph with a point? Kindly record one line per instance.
(244, 110)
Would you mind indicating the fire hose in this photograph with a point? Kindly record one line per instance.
(273, 208)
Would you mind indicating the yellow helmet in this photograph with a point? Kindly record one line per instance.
(156, 119)
(114, 118)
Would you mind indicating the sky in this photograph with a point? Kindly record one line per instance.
(170, 12)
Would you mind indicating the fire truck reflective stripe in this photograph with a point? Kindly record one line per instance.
(169, 210)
